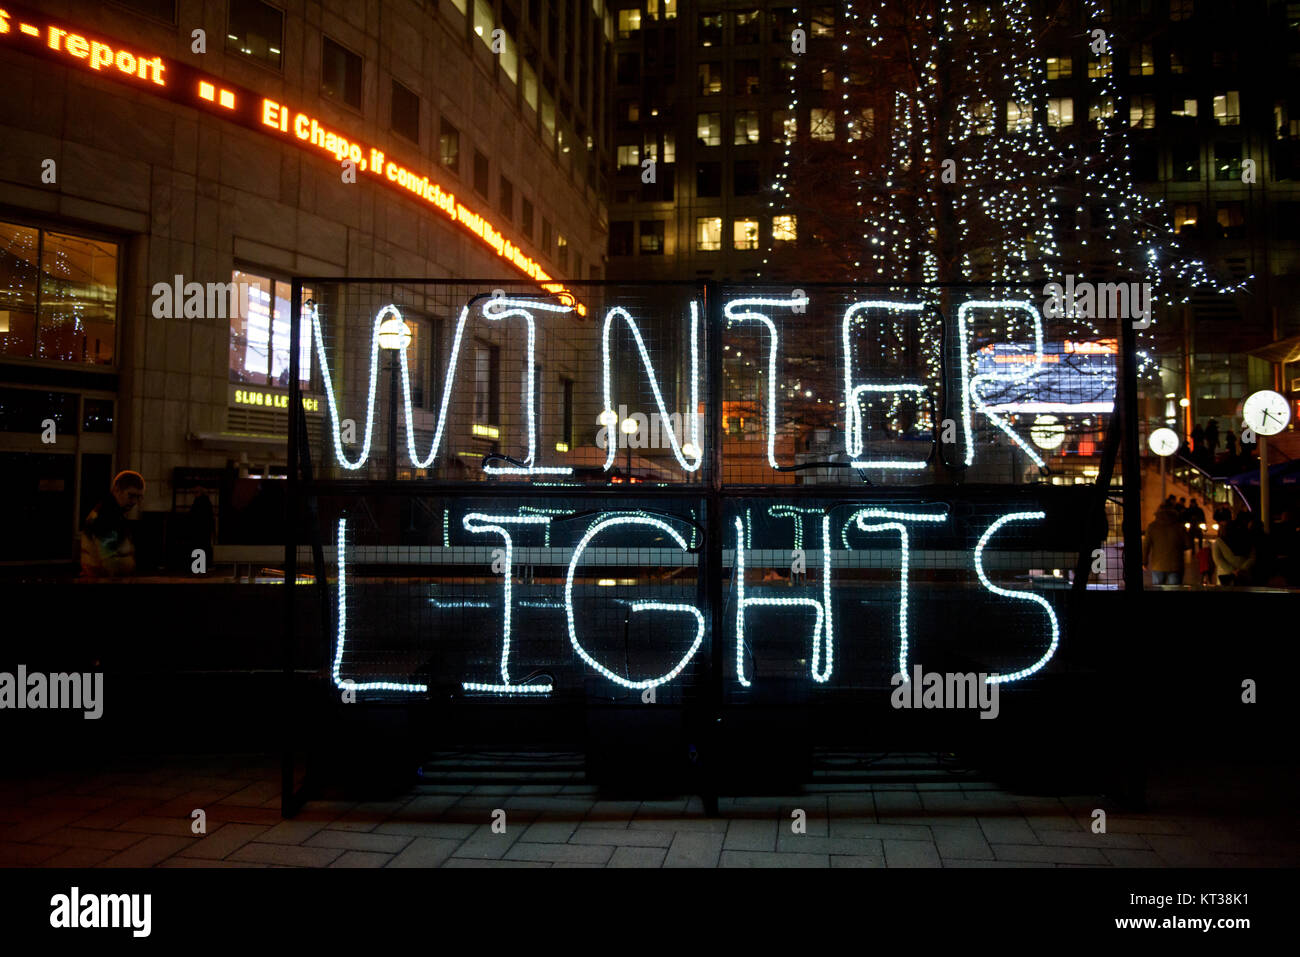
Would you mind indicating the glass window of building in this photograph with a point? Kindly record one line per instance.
(1099, 67)
(449, 146)
(483, 21)
(710, 30)
(546, 236)
(1060, 67)
(421, 359)
(506, 198)
(164, 10)
(745, 178)
(629, 22)
(1180, 9)
(1227, 161)
(405, 114)
(785, 229)
(1186, 216)
(620, 238)
(340, 73)
(628, 69)
(256, 30)
(1101, 109)
(1142, 60)
(748, 77)
(670, 148)
(562, 251)
(629, 156)
(487, 383)
(652, 237)
(529, 86)
(1060, 112)
(1142, 112)
(821, 23)
(566, 414)
(708, 180)
(58, 296)
(710, 78)
(746, 127)
(670, 9)
(746, 25)
(481, 183)
(1020, 116)
(1232, 219)
(708, 233)
(260, 331)
(509, 57)
(821, 124)
(861, 124)
(744, 234)
(708, 129)
(1186, 160)
(982, 118)
(650, 149)
(1227, 108)
(1175, 61)
(1184, 108)
(526, 217)
(785, 126)
(548, 118)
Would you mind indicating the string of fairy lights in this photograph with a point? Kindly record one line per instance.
(1006, 177)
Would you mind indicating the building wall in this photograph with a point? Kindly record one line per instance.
(186, 192)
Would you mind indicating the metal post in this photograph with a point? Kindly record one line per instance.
(1132, 490)
(1163, 459)
(713, 325)
(1264, 483)
(392, 414)
(295, 437)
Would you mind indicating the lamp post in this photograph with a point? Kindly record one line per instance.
(394, 337)
(629, 428)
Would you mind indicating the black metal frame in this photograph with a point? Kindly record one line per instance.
(302, 489)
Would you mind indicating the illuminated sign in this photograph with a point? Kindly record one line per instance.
(984, 383)
(662, 538)
(184, 84)
(272, 400)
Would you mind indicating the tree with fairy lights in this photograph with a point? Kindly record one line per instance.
(931, 154)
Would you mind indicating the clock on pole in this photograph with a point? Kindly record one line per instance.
(1265, 413)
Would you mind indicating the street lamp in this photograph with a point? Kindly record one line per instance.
(629, 428)
(394, 337)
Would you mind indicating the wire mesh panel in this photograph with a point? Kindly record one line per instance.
(908, 387)
(451, 381)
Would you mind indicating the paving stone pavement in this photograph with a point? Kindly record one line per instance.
(140, 814)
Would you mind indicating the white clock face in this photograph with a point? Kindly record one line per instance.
(1266, 412)
(1163, 441)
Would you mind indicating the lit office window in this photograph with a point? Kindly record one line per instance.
(1186, 216)
(982, 118)
(821, 124)
(58, 296)
(784, 229)
(1060, 67)
(710, 32)
(629, 22)
(530, 85)
(1060, 112)
(629, 156)
(670, 148)
(1227, 109)
(483, 21)
(744, 234)
(862, 125)
(1187, 110)
(652, 237)
(708, 129)
(449, 146)
(1099, 67)
(1142, 112)
(256, 29)
(1020, 116)
(1101, 109)
(710, 78)
(487, 383)
(259, 335)
(1142, 60)
(708, 233)
(746, 127)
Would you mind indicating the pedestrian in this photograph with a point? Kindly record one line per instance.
(107, 550)
(1196, 519)
(1163, 547)
(1234, 559)
(1205, 564)
(1211, 438)
(1230, 444)
(1198, 442)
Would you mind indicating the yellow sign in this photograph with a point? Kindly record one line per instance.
(272, 400)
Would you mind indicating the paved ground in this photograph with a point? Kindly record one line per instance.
(140, 816)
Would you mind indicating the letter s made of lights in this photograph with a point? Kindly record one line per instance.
(970, 386)
(1017, 595)
(737, 311)
(591, 533)
(691, 454)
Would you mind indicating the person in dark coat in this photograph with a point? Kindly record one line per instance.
(107, 550)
